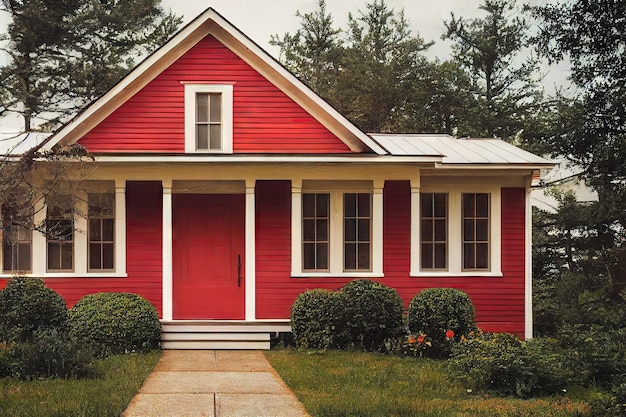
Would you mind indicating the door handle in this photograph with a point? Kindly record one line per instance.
(239, 270)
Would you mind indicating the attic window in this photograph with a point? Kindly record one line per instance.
(208, 118)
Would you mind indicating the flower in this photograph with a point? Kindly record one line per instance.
(412, 340)
(421, 338)
(449, 334)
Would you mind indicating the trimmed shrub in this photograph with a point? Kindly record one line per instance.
(115, 323)
(26, 305)
(318, 320)
(442, 314)
(373, 313)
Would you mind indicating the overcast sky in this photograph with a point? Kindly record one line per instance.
(259, 19)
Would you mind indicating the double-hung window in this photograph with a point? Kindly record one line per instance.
(434, 231)
(337, 232)
(208, 118)
(475, 231)
(17, 243)
(101, 228)
(60, 234)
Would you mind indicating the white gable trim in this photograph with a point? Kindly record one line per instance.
(211, 22)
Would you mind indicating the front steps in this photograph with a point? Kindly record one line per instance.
(219, 334)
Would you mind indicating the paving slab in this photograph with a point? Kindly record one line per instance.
(210, 383)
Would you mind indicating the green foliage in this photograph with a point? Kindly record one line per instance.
(113, 323)
(373, 313)
(318, 320)
(363, 314)
(27, 305)
(435, 311)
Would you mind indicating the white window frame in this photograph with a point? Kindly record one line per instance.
(39, 249)
(455, 232)
(336, 263)
(226, 91)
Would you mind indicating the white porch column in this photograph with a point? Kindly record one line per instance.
(120, 226)
(415, 227)
(250, 251)
(377, 231)
(39, 251)
(296, 227)
(167, 250)
(528, 304)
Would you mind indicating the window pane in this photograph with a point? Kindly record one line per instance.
(468, 205)
(322, 205)
(426, 230)
(107, 229)
(202, 136)
(108, 204)
(427, 256)
(468, 256)
(54, 256)
(468, 230)
(364, 205)
(440, 255)
(349, 205)
(95, 205)
(322, 256)
(309, 256)
(426, 203)
(364, 256)
(349, 256)
(349, 232)
(66, 255)
(322, 230)
(308, 205)
(482, 205)
(107, 256)
(24, 234)
(95, 258)
(216, 137)
(202, 108)
(364, 230)
(482, 230)
(440, 230)
(95, 232)
(308, 230)
(482, 255)
(216, 107)
(440, 202)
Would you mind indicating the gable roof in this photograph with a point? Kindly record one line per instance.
(212, 23)
(459, 152)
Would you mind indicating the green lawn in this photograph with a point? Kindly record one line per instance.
(337, 384)
(119, 379)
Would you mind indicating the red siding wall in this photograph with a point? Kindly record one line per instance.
(499, 302)
(265, 119)
(143, 254)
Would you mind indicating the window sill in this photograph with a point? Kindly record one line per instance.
(449, 274)
(69, 275)
(337, 275)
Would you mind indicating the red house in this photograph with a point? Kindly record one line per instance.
(223, 187)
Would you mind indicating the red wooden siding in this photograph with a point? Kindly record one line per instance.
(143, 253)
(265, 119)
(499, 301)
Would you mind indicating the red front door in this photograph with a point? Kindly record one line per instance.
(208, 256)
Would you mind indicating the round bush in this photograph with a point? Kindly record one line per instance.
(373, 313)
(317, 320)
(436, 311)
(114, 323)
(26, 305)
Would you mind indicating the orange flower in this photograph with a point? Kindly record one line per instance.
(412, 340)
(421, 338)
(449, 334)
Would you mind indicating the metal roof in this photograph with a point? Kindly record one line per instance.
(458, 151)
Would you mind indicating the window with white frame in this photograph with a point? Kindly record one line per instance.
(208, 118)
(456, 232)
(60, 235)
(337, 232)
(475, 231)
(17, 243)
(434, 231)
(101, 231)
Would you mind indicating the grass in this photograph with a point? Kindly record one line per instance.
(119, 379)
(342, 384)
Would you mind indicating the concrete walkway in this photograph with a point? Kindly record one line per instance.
(214, 383)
